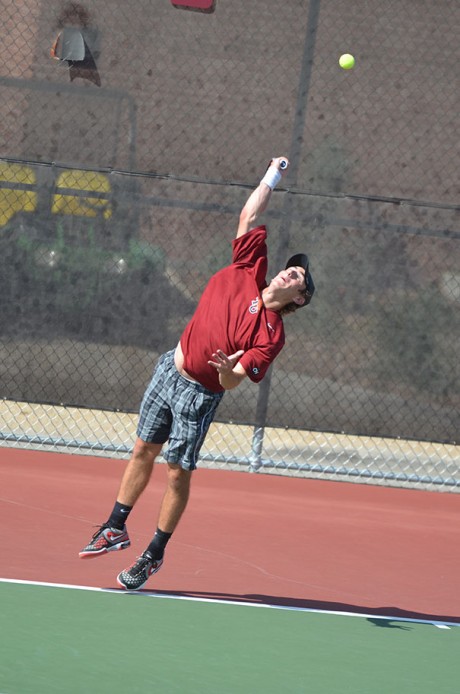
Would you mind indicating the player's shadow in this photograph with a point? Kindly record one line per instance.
(387, 623)
(375, 615)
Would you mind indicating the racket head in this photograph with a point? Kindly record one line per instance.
(206, 6)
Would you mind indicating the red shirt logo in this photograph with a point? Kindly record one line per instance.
(255, 305)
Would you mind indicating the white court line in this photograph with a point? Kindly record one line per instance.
(242, 603)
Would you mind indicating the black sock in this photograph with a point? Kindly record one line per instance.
(119, 515)
(158, 544)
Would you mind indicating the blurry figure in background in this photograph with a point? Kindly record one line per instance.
(77, 43)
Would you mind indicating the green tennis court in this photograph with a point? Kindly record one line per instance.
(65, 639)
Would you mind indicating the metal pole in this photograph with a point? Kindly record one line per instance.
(286, 219)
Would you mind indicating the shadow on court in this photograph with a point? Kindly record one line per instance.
(392, 612)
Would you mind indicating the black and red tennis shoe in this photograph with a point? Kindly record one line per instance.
(105, 539)
(137, 575)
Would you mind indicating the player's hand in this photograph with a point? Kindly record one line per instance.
(281, 163)
(224, 364)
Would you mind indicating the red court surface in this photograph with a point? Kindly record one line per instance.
(251, 537)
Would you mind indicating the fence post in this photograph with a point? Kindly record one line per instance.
(294, 157)
(261, 418)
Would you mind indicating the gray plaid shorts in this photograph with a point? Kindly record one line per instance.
(176, 410)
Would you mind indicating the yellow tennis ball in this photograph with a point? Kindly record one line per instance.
(346, 61)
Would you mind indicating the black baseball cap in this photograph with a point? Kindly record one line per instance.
(301, 260)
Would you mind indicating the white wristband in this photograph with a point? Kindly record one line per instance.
(272, 177)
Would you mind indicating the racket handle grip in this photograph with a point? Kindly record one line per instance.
(283, 164)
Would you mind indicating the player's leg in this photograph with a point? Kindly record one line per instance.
(194, 410)
(153, 430)
(175, 498)
(138, 472)
(173, 505)
(112, 535)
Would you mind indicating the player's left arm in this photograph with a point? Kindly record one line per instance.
(231, 373)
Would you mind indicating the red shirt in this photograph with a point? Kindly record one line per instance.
(231, 316)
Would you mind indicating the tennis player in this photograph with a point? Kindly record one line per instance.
(235, 333)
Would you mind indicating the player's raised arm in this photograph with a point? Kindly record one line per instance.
(260, 197)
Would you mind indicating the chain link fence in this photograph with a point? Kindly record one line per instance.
(130, 137)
